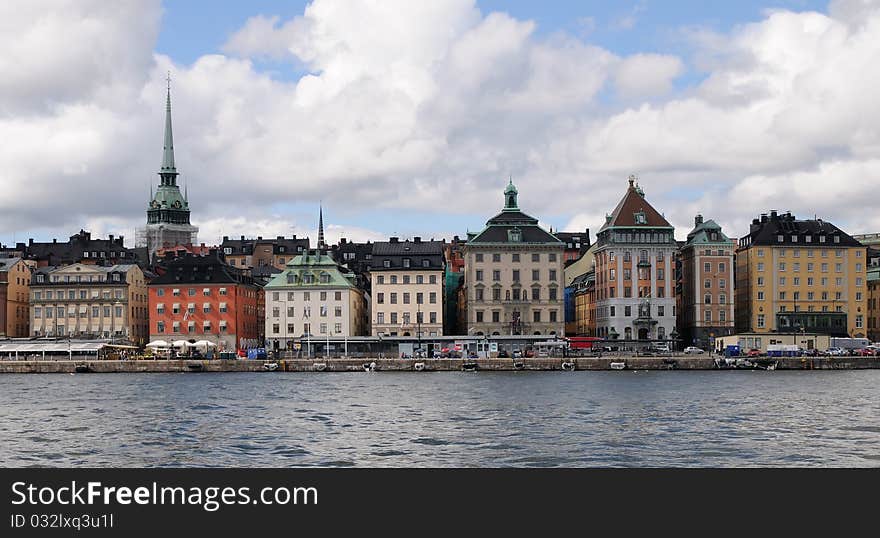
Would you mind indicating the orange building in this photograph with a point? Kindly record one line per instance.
(15, 275)
(202, 298)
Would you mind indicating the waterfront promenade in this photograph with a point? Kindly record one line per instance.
(320, 365)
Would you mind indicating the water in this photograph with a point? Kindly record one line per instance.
(535, 419)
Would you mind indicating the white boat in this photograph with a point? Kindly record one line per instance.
(618, 365)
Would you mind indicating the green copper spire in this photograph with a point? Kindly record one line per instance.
(510, 194)
(168, 170)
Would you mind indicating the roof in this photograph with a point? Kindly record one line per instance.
(394, 252)
(245, 245)
(768, 229)
(701, 234)
(634, 211)
(323, 269)
(191, 269)
(7, 263)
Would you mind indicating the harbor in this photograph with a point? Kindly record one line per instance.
(378, 365)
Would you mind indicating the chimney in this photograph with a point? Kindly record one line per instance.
(417, 239)
(763, 217)
(698, 220)
(394, 239)
(225, 238)
(110, 237)
(31, 242)
(259, 238)
(773, 214)
(242, 238)
(279, 238)
(54, 241)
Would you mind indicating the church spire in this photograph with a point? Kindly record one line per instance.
(321, 244)
(168, 170)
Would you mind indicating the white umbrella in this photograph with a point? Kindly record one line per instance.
(205, 343)
(158, 343)
(180, 343)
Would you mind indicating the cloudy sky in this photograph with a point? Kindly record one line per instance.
(406, 118)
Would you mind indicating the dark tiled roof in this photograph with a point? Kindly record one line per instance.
(71, 251)
(632, 203)
(416, 251)
(245, 245)
(498, 229)
(200, 270)
(571, 238)
(767, 229)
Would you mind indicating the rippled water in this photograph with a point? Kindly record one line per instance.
(731, 418)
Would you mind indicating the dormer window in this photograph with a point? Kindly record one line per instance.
(640, 217)
(406, 262)
(227, 250)
(426, 263)
(291, 278)
(514, 235)
(780, 238)
(794, 239)
(386, 263)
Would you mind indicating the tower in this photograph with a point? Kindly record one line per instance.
(168, 212)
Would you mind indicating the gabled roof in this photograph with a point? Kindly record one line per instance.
(315, 263)
(498, 229)
(632, 204)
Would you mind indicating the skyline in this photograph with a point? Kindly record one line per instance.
(422, 116)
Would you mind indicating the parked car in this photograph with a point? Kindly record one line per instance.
(865, 352)
(835, 351)
(517, 354)
(754, 352)
(661, 348)
(691, 350)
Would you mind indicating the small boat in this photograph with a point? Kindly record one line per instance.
(270, 366)
(469, 367)
(369, 366)
(419, 367)
(319, 366)
(568, 366)
(82, 368)
(194, 366)
(519, 365)
(618, 365)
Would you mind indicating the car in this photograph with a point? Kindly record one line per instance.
(517, 354)
(865, 352)
(754, 353)
(661, 348)
(691, 350)
(835, 351)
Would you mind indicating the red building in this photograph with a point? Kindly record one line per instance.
(202, 298)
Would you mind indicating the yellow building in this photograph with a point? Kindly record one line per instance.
(800, 276)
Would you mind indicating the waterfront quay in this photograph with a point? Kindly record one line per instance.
(321, 365)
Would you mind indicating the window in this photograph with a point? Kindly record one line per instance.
(661, 292)
(536, 274)
(432, 279)
(479, 294)
(552, 275)
(191, 292)
(337, 311)
(420, 298)
(782, 281)
(479, 316)
(406, 298)
(160, 292)
(707, 298)
(781, 295)
(496, 294)
(760, 321)
(496, 316)
(760, 266)
(553, 312)
(175, 292)
(496, 258)
(291, 311)
(707, 283)
(627, 291)
(222, 291)
(838, 267)
(627, 311)
(386, 263)
(206, 307)
(707, 267)
(859, 322)
(380, 317)
(380, 298)
(661, 274)
(432, 297)
(722, 283)
(722, 299)
(394, 298)
(406, 262)
(760, 253)
(760, 295)
(707, 315)
(536, 258)
(516, 275)
(160, 327)
(760, 281)
(782, 266)
(552, 294)
(722, 315)
(514, 257)
(661, 310)
(160, 308)
(496, 275)
(478, 257)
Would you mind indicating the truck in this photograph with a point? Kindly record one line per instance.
(849, 343)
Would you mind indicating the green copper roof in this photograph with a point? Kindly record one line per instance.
(312, 269)
(700, 234)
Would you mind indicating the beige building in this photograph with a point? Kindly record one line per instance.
(407, 288)
(513, 276)
(800, 276)
(15, 277)
(89, 301)
(314, 296)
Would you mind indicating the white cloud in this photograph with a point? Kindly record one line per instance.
(647, 75)
(427, 108)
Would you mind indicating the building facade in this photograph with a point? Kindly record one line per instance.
(407, 288)
(89, 301)
(203, 298)
(513, 283)
(15, 278)
(800, 275)
(705, 296)
(313, 296)
(873, 281)
(81, 247)
(168, 216)
(635, 251)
